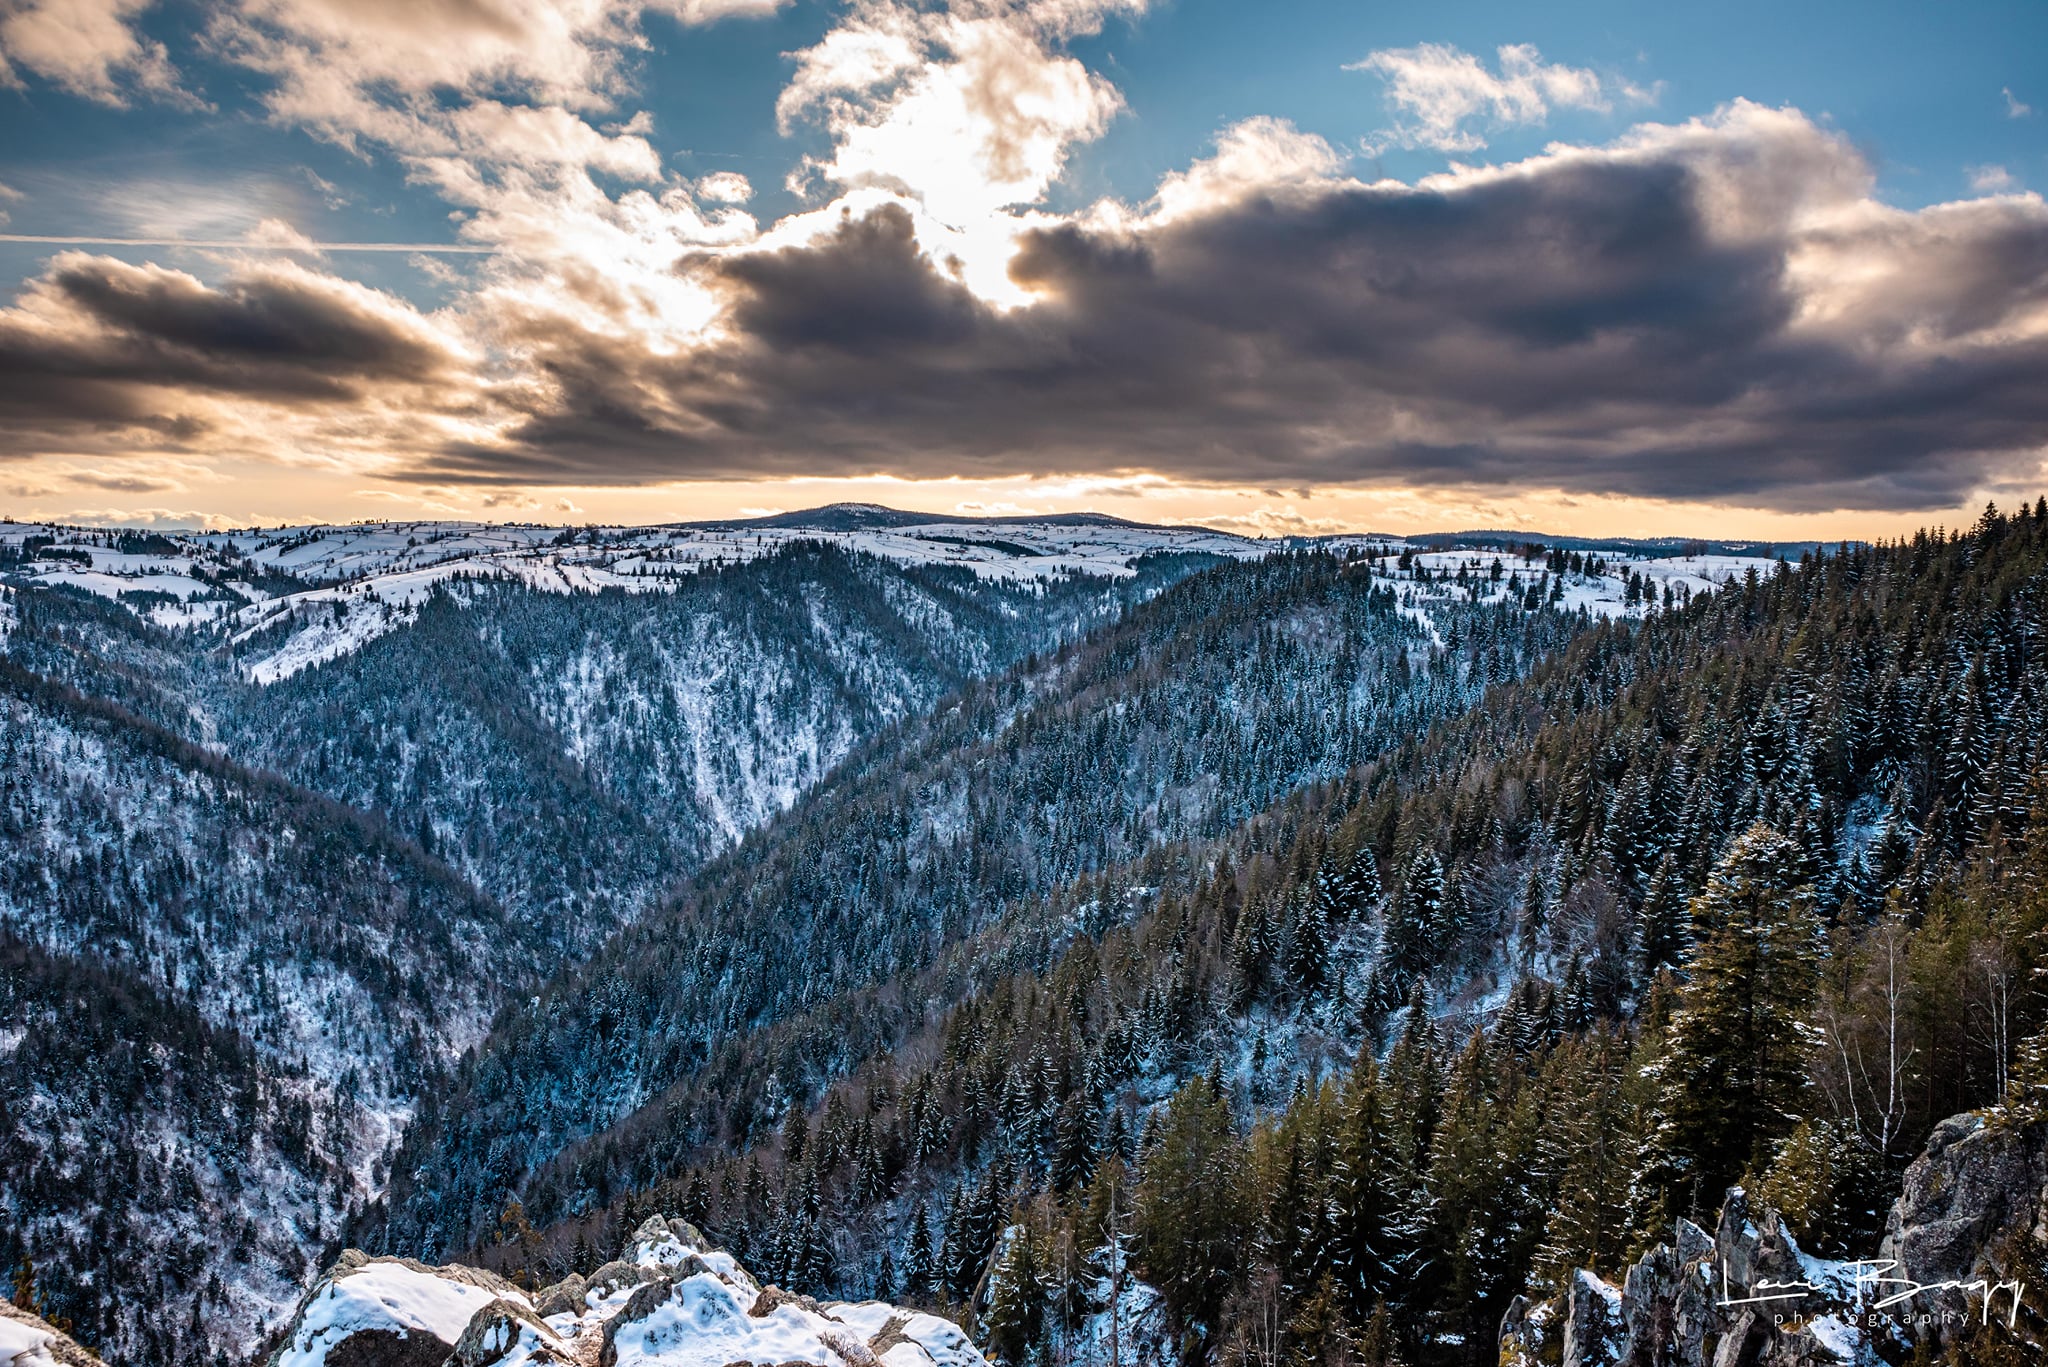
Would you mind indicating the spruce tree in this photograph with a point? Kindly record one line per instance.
(1015, 1314)
(1370, 1236)
(1187, 1220)
(1308, 950)
(1074, 1155)
(1661, 932)
(1585, 1153)
(919, 1259)
(1732, 1078)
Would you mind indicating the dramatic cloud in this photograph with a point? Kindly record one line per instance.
(99, 354)
(1714, 310)
(1438, 90)
(89, 47)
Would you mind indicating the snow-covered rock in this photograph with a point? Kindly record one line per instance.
(28, 1340)
(672, 1300)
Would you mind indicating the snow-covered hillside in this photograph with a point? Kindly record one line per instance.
(1601, 586)
(319, 592)
(341, 586)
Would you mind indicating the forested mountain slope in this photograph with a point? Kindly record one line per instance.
(1231, 688)
(274, 911)
(220, 994)
(1750, 892)
(572, 753)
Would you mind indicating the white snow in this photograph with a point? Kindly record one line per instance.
(23, 1345)
(382, 1295)
(705, 1319)
(705, 1325)
(378, 574)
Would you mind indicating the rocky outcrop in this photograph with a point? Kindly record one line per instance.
(1973, 1210)
(28, 1340)
(1965, 1251)
(1743, 1296)
(672, 1298)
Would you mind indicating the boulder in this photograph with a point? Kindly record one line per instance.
(615, 1276)
(499, 1328)
(563, 1297)
(1973, 1209)
(1592, 1327)
(389, 1312)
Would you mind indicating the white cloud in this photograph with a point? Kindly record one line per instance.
(504, 79)
(91, 48)
(1992, 180)
(725, 187)
(1437, 91)
(1257, 156)
(165, 519)
(2014, 108)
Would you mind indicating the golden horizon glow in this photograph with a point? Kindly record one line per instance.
(260, 493)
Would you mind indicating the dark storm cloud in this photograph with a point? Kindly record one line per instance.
(1714, 312)
(96, 343)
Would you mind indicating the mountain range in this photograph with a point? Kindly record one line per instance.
(932, 910)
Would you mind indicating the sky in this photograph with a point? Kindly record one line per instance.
(1298, 266)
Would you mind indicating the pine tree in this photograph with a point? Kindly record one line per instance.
(1187, 1223)
(1358, 887)
(1370, 1235)
(1074, 1132)
(1585, 1154)
(1413, 938)
(806, 1254)
(796, 1134)
(1377, 1346)
(1308, 950)
(1575, 1006)
(1662, 937)
(1015, 1314)
(1486, 1222)
(919, 1260)
(1821, 1182)
(1319, 1335)
(1251, 956)
(1732, 1078)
